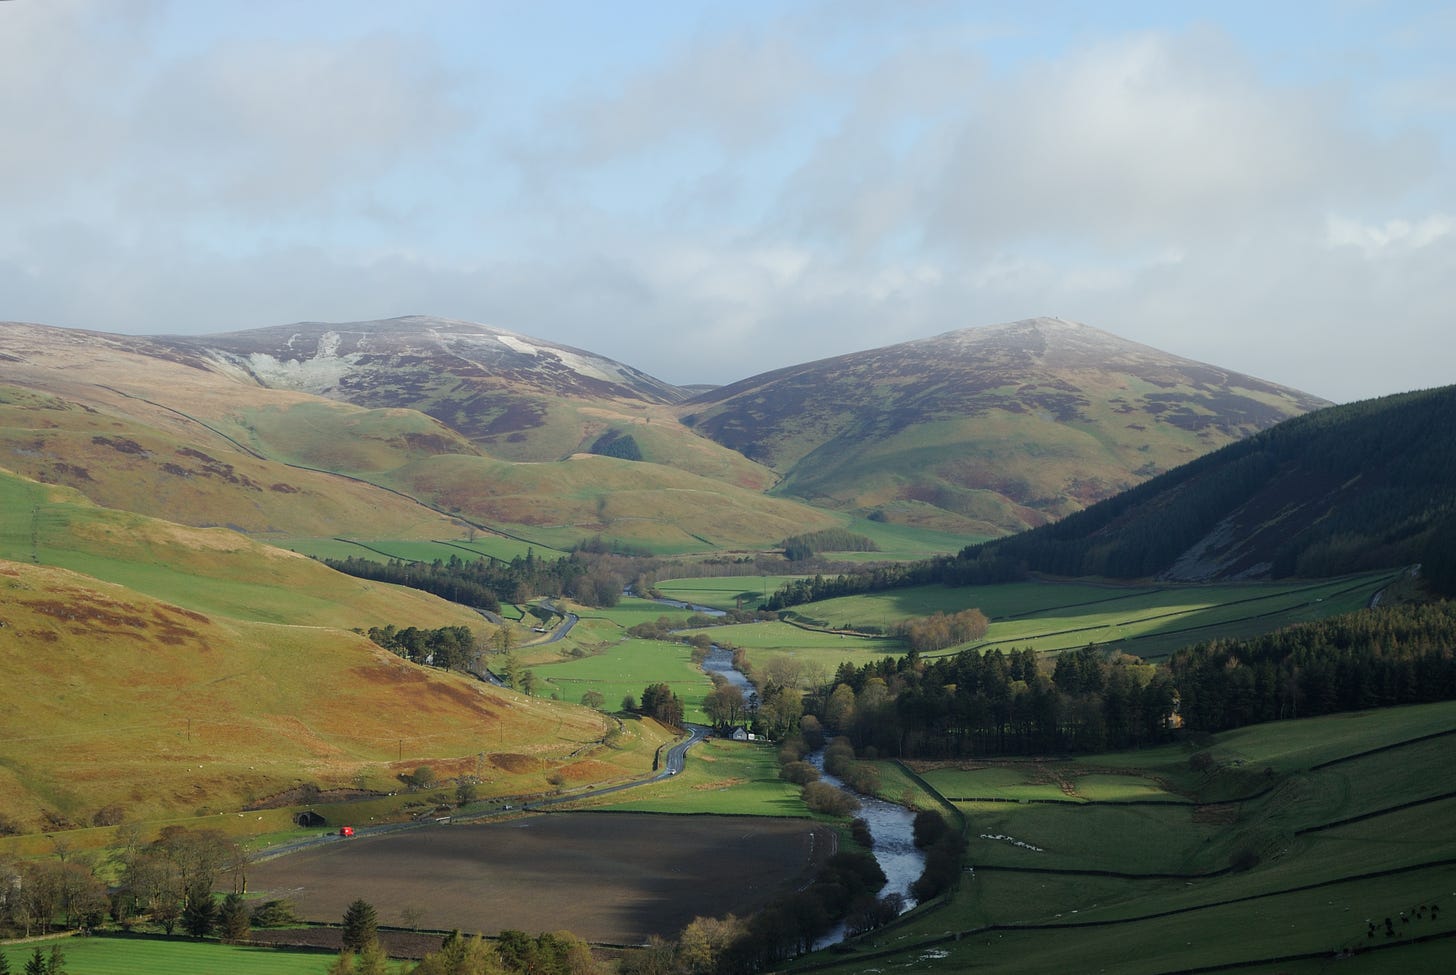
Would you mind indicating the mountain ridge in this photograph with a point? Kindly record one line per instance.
(957, 416)
(981, 431)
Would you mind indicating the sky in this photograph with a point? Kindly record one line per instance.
(706, 191)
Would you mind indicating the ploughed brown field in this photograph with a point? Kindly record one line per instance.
(606, 877)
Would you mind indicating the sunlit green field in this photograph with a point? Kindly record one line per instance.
(119, 956)
(1150, 622)
(723, 592)
(903, 542)
(626, 669)
(819, 652)
(725, 777)
(484, 546)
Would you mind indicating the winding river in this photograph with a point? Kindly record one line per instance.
(891, 824)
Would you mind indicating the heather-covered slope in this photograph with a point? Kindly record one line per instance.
(1006, 426)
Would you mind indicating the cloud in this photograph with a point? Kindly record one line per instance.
(787, 187)
(1392, 237)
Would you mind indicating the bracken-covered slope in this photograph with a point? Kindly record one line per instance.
(1363, 486)
(112, 698)
(1006, 426)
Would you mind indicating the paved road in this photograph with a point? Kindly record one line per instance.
(673, 763)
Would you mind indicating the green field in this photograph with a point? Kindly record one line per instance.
(817, 652)
(411, 550)
(1148, 621)
(736, 778)
(1306, 877)
(124, 956)
(722, 592)
(903, 542)
(626, 669)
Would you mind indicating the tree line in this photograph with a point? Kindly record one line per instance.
(1376, 658)
(485, 583)
(798, 548)
(996, 702)
(168, 881)
(1088, 700)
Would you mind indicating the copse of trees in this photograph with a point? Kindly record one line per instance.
(660, 702)
(998, 703)
(613, 443)
(484, 583)
(449, 647)
(797, 548)
(936, 632)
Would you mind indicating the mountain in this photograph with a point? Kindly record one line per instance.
(1363, 486)
(1006, 426)
(978, 432)
(184, 430)
(494, 386)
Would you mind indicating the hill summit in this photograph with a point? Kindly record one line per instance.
(1007, 425)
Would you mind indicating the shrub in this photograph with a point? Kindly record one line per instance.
(275, 914)
(799, 773)
(821, 797)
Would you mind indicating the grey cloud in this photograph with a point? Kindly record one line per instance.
(255, 124)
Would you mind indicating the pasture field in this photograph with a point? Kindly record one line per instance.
(1150, 622)
(138, 956)
(625, 669)
(785, 637)
(1047, 782)
(206, 570)
(607, 877)
(415, 550)
(723, 592)
(630, 611)
(738, 778)
(903, 542)
(1333, 834)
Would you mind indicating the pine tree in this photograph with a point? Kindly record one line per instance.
(200, 914)
(361, 926)
(233, 921)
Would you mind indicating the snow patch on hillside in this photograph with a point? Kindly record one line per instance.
(582, 365)
(319, 374)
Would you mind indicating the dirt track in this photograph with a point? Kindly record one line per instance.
(613, 878)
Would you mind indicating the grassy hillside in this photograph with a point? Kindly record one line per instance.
(1302, 837)
(126, 454)
(208, 570)
(643, 504)
(1347, 489)
(113, 697)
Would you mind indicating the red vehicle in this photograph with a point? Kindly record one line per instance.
(346, 831)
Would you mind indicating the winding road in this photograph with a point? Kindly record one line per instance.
(673, 763)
